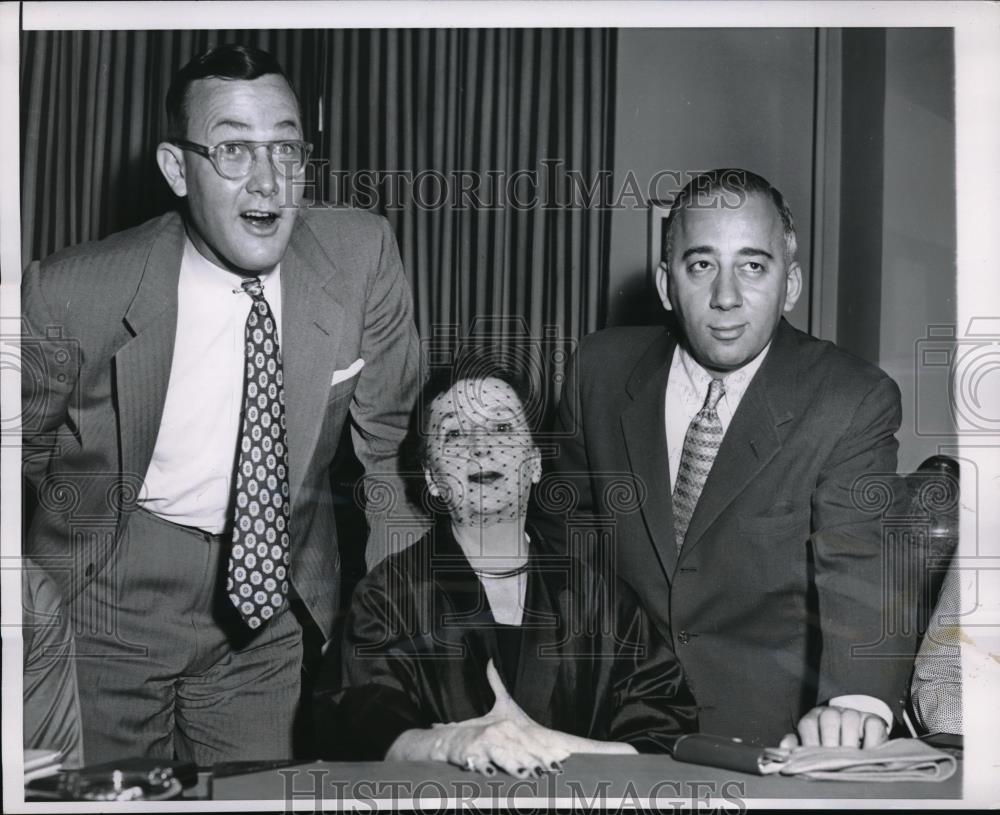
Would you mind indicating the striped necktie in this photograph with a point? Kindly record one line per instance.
(701, 444)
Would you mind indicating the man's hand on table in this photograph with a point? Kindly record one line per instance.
(834, 726)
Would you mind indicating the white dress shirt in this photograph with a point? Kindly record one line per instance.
(687, 387)
(189, 477)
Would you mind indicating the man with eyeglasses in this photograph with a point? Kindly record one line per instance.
(193, 377)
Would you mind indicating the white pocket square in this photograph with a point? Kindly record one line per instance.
(347, 373)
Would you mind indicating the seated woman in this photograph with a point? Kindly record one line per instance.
(475, 648)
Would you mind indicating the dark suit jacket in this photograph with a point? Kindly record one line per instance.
(100, 321)
(420, 632)
(777, 600)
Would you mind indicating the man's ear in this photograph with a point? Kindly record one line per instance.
(170, 159)
(793, 286)
(662, 279)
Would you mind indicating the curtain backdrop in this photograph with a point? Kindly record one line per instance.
(476, 144)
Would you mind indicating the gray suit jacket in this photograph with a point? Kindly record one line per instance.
(99, 323)
(784, 593)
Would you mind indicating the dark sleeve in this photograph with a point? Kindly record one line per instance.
(866, 615)
(385, 394)
(651, 703)
(380, 695)
(566, 488)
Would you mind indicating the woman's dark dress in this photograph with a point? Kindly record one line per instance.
(420, 632)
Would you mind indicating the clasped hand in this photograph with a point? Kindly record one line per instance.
(831, 726)
(508, 739)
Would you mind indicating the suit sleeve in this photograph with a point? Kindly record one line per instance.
(379, 698)
(51, 695)
(651, 702)
(384, 396)
(50, 365)
(866, 617)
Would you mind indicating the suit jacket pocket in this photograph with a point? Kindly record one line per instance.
(776, 524)
(341, 389)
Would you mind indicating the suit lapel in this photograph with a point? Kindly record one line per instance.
(311, 331)
(753, 437)
(642, 424)
(457, 623)
(142, 365)
(545, 605)
(468, 611)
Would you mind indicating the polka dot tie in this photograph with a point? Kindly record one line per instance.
(701, 444)
(258, 562)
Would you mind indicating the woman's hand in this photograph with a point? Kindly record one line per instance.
(555, 740)
(506, 738)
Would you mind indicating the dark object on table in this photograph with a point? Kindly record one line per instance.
(725, 752)
(951, 743)
(228, 768)
(135, 779)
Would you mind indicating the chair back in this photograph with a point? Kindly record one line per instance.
(934, 492)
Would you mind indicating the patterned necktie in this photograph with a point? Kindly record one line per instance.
(259, 558)
(701, 444)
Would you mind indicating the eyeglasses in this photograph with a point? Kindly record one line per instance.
(236, 159)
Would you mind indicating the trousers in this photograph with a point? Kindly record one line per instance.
(167, 669)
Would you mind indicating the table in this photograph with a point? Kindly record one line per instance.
(588, 781)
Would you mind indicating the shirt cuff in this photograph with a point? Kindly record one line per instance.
(866, 704)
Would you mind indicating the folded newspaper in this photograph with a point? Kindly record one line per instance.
(898, 760)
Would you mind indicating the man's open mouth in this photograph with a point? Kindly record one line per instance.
(488, 477)
(259, 217)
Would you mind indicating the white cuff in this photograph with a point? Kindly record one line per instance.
(866, 704)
